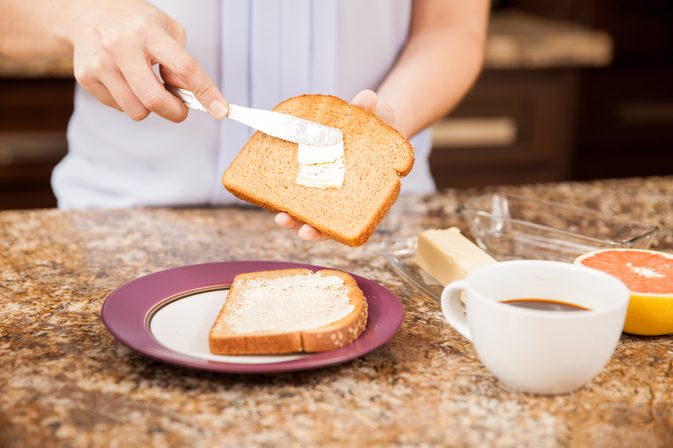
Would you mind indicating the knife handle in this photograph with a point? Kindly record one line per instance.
(188, 97)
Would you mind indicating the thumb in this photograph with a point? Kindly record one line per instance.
(386, 112)
(367, 99)
(370, 101)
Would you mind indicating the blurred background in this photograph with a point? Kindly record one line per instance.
(571, 90)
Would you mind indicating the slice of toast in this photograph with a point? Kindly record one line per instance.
(376, 155)
(288, 311)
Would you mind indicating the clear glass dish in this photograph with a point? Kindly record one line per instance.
(399, 253)
(510, 227)
(514, 227)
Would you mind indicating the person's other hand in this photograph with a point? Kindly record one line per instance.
(369, 100)
(115, 45)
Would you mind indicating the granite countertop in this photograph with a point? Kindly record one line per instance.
(65, 381)
(515, 40)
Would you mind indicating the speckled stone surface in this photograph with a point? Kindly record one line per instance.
(64, 381)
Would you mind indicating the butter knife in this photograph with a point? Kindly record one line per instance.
(283, 126)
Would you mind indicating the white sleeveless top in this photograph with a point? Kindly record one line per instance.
(260, 52)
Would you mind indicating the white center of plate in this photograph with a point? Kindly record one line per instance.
(183, 327)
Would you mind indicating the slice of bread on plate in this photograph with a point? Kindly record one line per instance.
(376, 156)
(289, 311)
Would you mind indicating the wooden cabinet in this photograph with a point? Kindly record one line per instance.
(625, 110)
(514, 126)
(625, 123)
(34, 115)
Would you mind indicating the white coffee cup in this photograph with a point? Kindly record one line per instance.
(539, 351)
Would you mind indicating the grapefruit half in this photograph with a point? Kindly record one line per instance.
(649, 276)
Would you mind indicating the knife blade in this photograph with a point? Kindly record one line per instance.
(276, 124)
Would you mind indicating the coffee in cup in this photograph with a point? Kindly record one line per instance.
(549, 350)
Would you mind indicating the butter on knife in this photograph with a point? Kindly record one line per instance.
(275, 124)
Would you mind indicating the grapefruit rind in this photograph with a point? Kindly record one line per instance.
(648, 314)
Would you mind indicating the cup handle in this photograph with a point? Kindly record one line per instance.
(451, 308)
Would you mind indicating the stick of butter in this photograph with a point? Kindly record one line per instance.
(448, 256)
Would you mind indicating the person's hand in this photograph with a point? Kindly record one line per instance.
(369, 100)
(115, 45)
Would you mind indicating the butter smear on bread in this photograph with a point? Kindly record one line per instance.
(289, 311)
(298, 302)
(321, 166)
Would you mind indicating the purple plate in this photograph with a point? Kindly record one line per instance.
(128, 311)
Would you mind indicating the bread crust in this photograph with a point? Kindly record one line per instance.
(328, 337)
(374, 125)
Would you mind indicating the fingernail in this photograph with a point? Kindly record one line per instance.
(219, 109)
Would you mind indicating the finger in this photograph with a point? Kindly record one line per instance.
(124, 96)
(175, 58)
(101, 93)
(369, 100)
(171, 78)
(88, 76)
(177, 32)
(366, 99)
(147, 88)
(386, 112)
(285, 220)
(307, 232)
